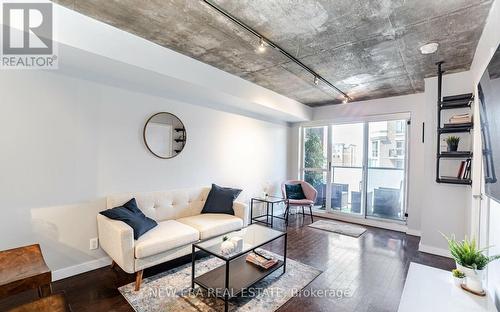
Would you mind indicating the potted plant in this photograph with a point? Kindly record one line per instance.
(452, 142)
(458, 277)
(471, 261)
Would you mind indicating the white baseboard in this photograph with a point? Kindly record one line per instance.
(80, 268)
(370, 222)
(434, 250)
(413, 232)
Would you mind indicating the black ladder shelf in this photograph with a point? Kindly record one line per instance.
(445, 103)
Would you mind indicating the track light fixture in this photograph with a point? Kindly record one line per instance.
(265, 42)
(262, 45)
(345, 100)
(316, 80)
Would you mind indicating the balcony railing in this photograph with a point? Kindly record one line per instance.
(384, 198)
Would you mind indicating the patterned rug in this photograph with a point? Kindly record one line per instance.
(339, 227)
(170, 291)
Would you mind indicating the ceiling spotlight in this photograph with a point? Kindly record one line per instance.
(345, 100)
(262, 45)
(316, 80)
(429, 48)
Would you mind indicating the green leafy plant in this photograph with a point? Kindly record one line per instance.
(313, 157)
(225, 238)
(457, 273)
(467, 254)
(452, 140)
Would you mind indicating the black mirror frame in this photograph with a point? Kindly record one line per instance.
(146, 142)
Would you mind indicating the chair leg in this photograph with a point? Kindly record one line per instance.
(138, 280)
(287, 213)
(113, 264)
(303, 214)
(311, 213)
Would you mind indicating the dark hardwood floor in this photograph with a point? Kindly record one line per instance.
(372, 267)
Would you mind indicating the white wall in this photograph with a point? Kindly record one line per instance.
(444, 207)
(67, 143)
(485, 218)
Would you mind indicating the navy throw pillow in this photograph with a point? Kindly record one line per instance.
(131, 215)
(220, 200)
(294, 191)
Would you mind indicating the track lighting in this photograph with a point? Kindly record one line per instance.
(265, 42)
(345, 100)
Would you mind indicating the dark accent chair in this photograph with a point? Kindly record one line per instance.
(310, 193)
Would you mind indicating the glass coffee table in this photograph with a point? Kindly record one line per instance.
(230, 279)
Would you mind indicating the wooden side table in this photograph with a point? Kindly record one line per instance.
(22, 269)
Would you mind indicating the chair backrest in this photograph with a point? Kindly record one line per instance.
(165, 205)
(309, 191)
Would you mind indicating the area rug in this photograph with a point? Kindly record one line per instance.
(170, 291)
(339, 227)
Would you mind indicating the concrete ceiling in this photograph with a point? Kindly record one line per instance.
(368, 49)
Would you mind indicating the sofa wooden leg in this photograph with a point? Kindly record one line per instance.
(138, 280)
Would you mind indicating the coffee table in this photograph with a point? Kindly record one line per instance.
(230, 279)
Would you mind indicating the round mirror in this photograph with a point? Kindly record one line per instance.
(164, 135)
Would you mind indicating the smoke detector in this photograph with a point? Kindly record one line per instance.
(429, 48)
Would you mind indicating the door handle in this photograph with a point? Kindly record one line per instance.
(478, 196)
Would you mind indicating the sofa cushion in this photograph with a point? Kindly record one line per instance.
(294, 191)
(220, 200)
(167, 235)
(133, 216)
(213, 224)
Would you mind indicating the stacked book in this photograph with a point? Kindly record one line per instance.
(260, 260)
(459, 121)
(464, 169)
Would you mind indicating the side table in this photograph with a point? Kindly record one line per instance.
(270, 201)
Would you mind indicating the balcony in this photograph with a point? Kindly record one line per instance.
(384, 198)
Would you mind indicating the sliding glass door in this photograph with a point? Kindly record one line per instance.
(315, 165)
(346, 163)
(386, 169)
(358, 169)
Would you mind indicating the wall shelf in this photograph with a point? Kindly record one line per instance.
(457, 101)
(455, 155)
(452, 180)
(456, 129)
(463, 101)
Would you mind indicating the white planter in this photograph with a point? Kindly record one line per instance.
(458, 281)
(473, 278)
(227, 247)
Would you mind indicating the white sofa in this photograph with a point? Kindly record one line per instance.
(180, 224)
